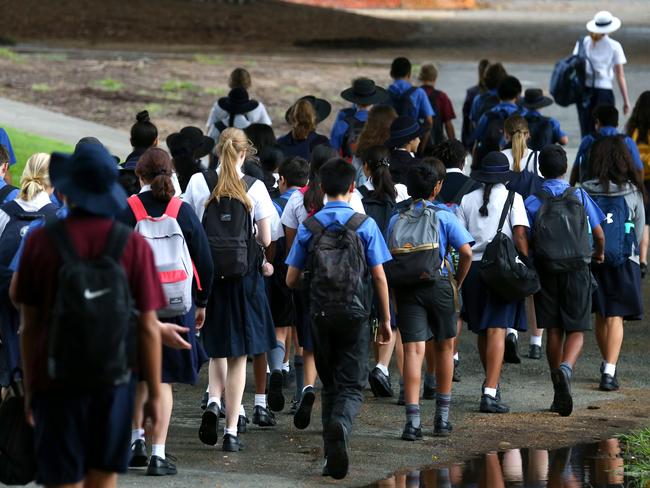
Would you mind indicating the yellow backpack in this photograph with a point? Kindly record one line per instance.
(644, 151)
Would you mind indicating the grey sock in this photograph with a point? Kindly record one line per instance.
(413, 414)
(567, 367)
(276, 357)
(430, 380)
(298, 365)
(443, 400)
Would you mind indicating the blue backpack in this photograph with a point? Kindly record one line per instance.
(403, 104)
(569, 79)
(620, 237)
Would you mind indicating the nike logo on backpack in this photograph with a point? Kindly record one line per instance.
(91, 295)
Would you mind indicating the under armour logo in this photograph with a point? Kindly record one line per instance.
(609, 219)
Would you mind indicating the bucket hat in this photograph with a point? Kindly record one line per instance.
(237, 102)
(403, 130)
(495, 168)
(322, 107)
(190, 139)
(364, 92)
(535, 98)
(603, 23)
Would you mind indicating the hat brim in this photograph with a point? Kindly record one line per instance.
(175, 140)
(322, 107)
(394, 142)
(239, 108)
(109, 203)
(606, 29)
(543, 102)
(485, 177)
(380, 96)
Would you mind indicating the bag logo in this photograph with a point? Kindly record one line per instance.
(609, 219)
(225, 217)
(91, 295)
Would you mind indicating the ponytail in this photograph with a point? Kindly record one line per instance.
(517, 128)
(314, 196)
(377, 159)
(155, 168)
(36, 176)
(487, 189)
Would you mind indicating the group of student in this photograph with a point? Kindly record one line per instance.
(238, 244)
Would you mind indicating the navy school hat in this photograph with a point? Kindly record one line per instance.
(495, 168)
(88, 178)
(403, 130)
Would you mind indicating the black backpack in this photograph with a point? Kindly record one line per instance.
(493, 135)
(502, 268)
(527, 182)
(337, 274)
(351, 136)
(5, 191)
(561, 233)
(91, 341)
(541, 131)
(229, 228)
(403, 104)
(487, 103)
(569, 79)
(17, 456)
(437, 130)
(16, 227)
(381, 210)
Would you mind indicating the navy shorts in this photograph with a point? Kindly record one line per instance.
(303, 321)
(79, 432)
(564, 302)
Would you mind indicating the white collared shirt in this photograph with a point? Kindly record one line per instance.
(604, 55)
(402, 192)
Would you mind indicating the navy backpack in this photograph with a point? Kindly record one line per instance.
(569, 79)
(541, 131)
(620, 236)
(527, 182)
(403, 104)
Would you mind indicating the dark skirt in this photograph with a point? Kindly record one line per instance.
(280, 300)
(597, 96)
(482, 310)
(182, 366)
(10, 348)
(238, 319)
(619, 291)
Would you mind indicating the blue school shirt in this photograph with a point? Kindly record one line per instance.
(608, 131)
(338, 213)
(510, 109)
(476, 103)
(557, 187)
(4, 140)
(558, 133)
(12, 195)
(340, 127)
(451, 231)
(420, 100)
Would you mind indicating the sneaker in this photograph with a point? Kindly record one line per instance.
(511, 354)
(456, 377)
(294, 406)
(535, 351)
(337, 450)
(232, 443)
(562, 386)
(400, 398)
(428, 392)
(210, 425)
(302, 418)
(276, 398)
(160, 467)
(380, 383)
(139, 458)
(263, 417)
(490, 404)
(411, 433)
(204, 400)
(608, 383)
(440, 428)
(241, 424)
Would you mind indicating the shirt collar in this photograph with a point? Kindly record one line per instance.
(454, 170)
(555, 184)
(402, 149)
(337, 204)
(608, 131)
(145, 188)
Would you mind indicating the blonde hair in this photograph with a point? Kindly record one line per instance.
(428, 72)
(240, 78)
(303, 119)
(232, 142)
(517, 129)
(36, 176)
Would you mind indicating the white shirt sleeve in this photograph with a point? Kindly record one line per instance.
(276, 227)
(289, 214)
(402, 193)
(177, 185)
(263, 116)
(356, 203)
(196, 193)
(461, 214)
(618, 56)
(262, 204)
(210, 129)
(518, 215)
(576, 48)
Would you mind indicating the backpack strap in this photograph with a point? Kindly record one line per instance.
(137, 208)
(314, 226)
(5, 191)
(363, 189)
(116, 241)
(506, 209)
(408, 92)
(356, 221)
(469, 183)
(211, 178)
(173, 207)
(249, 181)
(62, 241)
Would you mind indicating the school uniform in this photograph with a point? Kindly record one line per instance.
(341, 126)
(402, 192)
(257, 115)
(12, 195)
(238, 319)
(482, 310)
(478, 101)
(453, 183)
(341, 348)
(4, 141)
(608, 299)
(589, 140)
(564, 300)
(292, 147)
(429, 311)
(527, 161)
(419, 98)
(558, 133)
(482, 125)
(182, 366)
(467, 128)
(400, 162)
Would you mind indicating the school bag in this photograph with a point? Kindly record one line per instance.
(561, 232)
(502, 269)
(584, 164)
(644, 152)
(568, 81)
(17, 455)
(492, 138)
(620, 236)
(337, 274)
(437, 130)
(170, 252)
(486, 103)
(541, 131)
(5, 191)
(381, 210)
(351, 136)
(414, 243)
(527, 182)
(91, 340)
(229, 227)
(403, 104)
(17, 226)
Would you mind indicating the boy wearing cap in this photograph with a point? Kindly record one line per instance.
(543, 130)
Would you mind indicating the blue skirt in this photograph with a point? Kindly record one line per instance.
(10, 348)
(482, 310)
(619, 291)
(181, 365)
(238, 318)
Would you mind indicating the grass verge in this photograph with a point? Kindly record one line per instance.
(637, 456)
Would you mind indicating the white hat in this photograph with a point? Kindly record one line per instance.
(603, 23)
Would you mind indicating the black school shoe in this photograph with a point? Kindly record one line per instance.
(139, 458)
(534, 351)
(232, 443)
(441, 429)
(511, 354)
(302, 418)
(492, 405)
(608, 383)
(242, 422)
(498, 397)
(160, 467)
(411, 433)
(276, 398)
(337, 450)
(204, 400)
(562, 385)
(380, 383)
(428, 392)
(263, 417)
(210, 425)
(456, 377)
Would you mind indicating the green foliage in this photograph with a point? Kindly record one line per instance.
(179, 86)
(41, 87)
(637, 456)
(216, 91)
(154, 109)
(11, 55)
(211, 60)
(109, 84)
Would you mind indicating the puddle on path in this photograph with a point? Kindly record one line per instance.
(592, 465)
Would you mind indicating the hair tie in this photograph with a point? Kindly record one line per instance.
(383, 162)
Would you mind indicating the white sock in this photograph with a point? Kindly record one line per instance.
(490, 391)
(382, 368)
(227, 431)
(207, 390)
(610, 369)
(456, 356)
(268, 371)
(285, 367)
(536, 341)
(242, 412)
(158, 450)
(307, 386)
(137, 434)
(513, 331)
(216, 400)
(260, 401)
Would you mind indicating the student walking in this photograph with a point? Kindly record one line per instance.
(472, 92)
(543, 130)
(489, 98)
(443, 127)
(235, 110)
(187, 147)
(405, 138)
(338, 246)
(618, 190)
(304, 116)
(375, 133)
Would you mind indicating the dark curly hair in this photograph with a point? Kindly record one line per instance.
(451, 152)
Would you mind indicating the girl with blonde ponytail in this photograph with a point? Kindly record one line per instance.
(519, 155)
(238, 319)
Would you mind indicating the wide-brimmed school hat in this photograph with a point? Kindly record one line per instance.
(603, 23)
(237, 102)
(322, 107)
(88, 177)
(364, 92)
(403, 130)
(495, 168)
(535, 98)
(192, 139)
